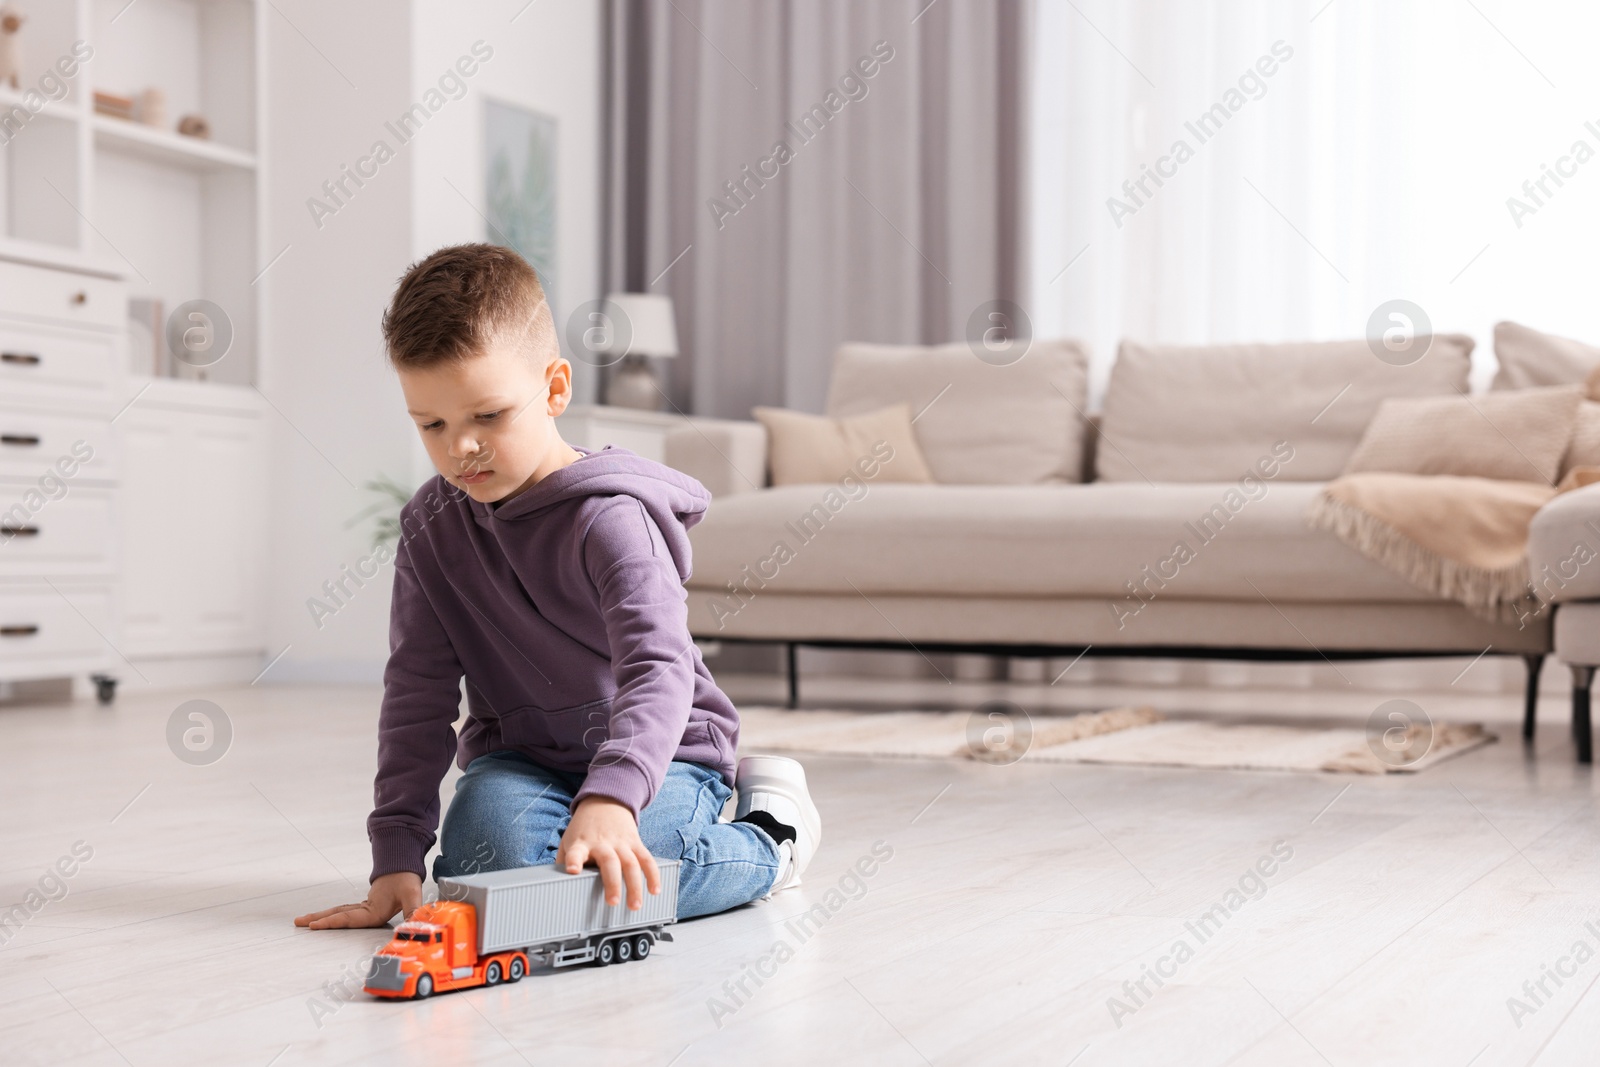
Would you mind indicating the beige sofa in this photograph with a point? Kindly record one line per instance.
(1173, 527)
(1564, 556)
(1564, 542)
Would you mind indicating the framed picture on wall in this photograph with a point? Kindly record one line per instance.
(520, 185)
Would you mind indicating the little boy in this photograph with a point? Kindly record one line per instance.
(551, 578)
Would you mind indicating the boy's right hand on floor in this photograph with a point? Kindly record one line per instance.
(398, 892)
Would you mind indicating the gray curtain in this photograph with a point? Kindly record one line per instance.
(788, 200)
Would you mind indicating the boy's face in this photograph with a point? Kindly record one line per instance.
(489, 422)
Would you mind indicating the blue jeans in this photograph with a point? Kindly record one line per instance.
(510, 812)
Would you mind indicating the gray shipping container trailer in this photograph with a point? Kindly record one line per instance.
(530, 907)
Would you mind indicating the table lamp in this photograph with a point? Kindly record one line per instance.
(642, 325)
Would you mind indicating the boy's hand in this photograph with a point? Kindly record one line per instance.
(390, 893)
(603, 832)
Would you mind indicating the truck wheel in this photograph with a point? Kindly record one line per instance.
(492, 975)
(517, 969)
(624, 950)
(607, 953)
(641, 946)
(424, 987)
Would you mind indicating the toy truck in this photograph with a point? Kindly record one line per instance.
(485, 928)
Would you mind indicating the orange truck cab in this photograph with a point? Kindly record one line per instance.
(436, 950)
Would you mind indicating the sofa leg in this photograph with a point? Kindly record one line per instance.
(1582, 677)
(794, 675)
(1530, 700)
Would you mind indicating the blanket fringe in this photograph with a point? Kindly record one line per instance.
(1502, 594)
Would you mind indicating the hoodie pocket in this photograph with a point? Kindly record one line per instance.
(698, 734)
(571, 734)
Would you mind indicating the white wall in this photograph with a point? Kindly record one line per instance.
(344, 421)
(323, 370)
(547, 58)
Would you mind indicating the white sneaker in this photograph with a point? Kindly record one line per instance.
(777, 786)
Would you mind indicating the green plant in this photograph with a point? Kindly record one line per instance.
(385, 511)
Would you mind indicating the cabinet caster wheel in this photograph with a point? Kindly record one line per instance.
(105, 687)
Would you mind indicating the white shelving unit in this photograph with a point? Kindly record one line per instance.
(160, 543)
(179, 218)
(166, 148)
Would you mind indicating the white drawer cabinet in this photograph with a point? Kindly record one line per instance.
(49, 631)
(194, 478)
(37, 442)
(44, 360)
(62, 336)
(68, 535)
(45, 294)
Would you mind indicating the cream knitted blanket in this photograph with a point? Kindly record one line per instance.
(1465, 539)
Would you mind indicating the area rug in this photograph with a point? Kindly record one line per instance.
(1132, 736)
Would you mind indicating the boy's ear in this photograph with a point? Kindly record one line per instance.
(558, 379)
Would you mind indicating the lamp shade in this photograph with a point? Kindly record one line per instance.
(642, 324)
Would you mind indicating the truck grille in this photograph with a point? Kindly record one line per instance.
(386, 974)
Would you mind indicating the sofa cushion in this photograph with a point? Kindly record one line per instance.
(1206, 414)
(978, 423)
(1530, 358)
(1518, 435)
(1117, 540)
(808, 449)
(1564, 547)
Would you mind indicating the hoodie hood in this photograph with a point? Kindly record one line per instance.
(674, 501)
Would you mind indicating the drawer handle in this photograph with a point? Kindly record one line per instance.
(30, 359)
(18, 631)
(22, 439)
(20, 531)
(80, 297)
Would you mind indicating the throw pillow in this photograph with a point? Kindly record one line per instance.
(1517, 435)
(808, 449)
(1529, 358)
(1584, 449)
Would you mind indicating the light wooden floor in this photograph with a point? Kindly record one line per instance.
(1018, 900)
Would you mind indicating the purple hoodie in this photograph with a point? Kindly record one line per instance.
(565, 610)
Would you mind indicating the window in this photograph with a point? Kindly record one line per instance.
(1427, 151)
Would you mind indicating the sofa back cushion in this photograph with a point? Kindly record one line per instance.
(1529, 358)
(1208, 413)
(978, 423)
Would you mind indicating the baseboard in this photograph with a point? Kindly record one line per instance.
(187, 672)
(184, 672)
(325, 672)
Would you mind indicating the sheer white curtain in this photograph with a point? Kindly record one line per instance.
(1374, 162)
